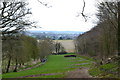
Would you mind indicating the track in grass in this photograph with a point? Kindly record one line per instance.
(55, 64)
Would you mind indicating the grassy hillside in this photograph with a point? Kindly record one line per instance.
(55, 67)
(109, 70)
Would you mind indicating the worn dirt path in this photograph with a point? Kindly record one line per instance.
(38, 75)
(78, 73)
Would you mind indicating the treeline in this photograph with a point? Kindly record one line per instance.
(17, 48)
(101, 41)
(21, 49)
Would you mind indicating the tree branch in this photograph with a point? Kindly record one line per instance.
(83, 11)
(45, 4)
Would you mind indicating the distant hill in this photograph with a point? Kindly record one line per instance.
(55, 35)
(72, 32)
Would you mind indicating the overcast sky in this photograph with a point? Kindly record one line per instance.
(62, 15)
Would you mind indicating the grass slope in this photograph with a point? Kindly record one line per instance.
(55, 64)
(105, 71)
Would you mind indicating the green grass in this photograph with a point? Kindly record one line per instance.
(55, 64)
(110, 66)
(87, 58)
(95, 72)
(105, 71)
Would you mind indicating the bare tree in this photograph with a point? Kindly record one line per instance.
(46, 48)
(101, 41)
(13, 17)
(58, 47)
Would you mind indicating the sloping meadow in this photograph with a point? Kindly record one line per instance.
(55, 67)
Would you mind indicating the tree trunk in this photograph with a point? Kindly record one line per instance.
(119, 28)
(23, 63)
(8, 66)
(119, 37)
(15, 70)
(56, 49)
(20, 64)
(34, 59)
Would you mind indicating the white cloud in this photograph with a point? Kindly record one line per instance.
(62, 15)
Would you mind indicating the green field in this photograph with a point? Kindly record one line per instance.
(56, 66)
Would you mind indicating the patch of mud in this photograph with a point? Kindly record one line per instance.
(78, 73)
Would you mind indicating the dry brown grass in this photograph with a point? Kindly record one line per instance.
(67, 44)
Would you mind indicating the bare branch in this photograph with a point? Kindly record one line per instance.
(13, 17)
(82, 13)
(45, 4)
